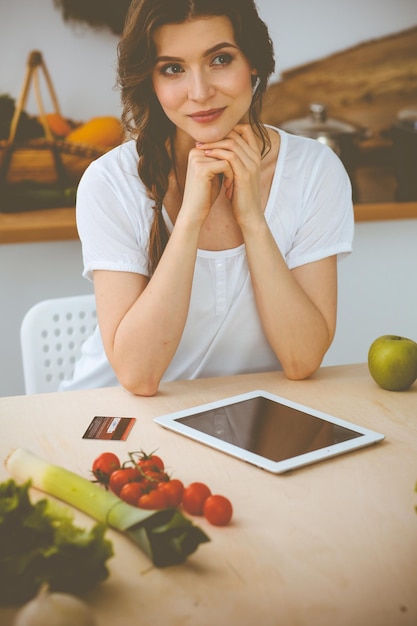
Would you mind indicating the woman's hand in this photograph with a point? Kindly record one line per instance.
(202, 185)
(239, 160)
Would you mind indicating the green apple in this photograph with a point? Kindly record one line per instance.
(392, 362)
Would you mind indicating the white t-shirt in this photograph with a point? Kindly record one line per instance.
(309, 213)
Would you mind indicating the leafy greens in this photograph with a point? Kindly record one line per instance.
(39, 544)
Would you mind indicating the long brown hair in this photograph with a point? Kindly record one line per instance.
(142, 114)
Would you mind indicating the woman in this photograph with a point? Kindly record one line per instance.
(211, 239)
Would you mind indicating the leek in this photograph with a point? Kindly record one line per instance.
(166, 536)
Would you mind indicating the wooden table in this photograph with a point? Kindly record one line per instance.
(332, 544)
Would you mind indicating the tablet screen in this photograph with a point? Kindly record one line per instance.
(269, 431)
(272, 430)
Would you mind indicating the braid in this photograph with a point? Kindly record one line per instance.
(153, 169)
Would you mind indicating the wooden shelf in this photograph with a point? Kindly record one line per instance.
(35, 226)
(377, 212)
(59, 224)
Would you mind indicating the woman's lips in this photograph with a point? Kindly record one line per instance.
(205, 117)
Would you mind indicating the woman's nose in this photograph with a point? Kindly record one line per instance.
(200, 86)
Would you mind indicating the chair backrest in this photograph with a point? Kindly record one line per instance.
(51, 335)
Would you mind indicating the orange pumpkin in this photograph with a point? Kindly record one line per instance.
(103, 131)
(58, 124)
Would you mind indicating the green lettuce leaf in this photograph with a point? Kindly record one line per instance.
(39, 544)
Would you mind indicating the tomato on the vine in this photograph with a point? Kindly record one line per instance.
(104, 465)
(143, 481)
(194, 497)
(122, 476)
(143, 459)
(151, 461)
(154, 476)
(155, 499)
(131, 492)
(218, 510)
(173, 490)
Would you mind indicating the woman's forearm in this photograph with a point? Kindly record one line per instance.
(149, 332)
(297, 318)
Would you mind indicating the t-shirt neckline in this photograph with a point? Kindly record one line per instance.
(229, 252)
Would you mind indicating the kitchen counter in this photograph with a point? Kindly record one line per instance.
(59, 224)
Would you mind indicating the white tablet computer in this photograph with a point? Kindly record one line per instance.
(269, 431)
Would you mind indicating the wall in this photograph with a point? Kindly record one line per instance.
(378, 288)
(81, 61)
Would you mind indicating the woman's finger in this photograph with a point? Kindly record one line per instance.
(247, 134)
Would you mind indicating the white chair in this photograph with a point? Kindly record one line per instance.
(51, 335)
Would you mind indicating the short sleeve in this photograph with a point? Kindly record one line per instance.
(325, 223)
(113, 221)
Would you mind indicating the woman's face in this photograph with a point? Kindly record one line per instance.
(201, 78)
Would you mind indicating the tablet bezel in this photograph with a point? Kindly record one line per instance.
(366, 436)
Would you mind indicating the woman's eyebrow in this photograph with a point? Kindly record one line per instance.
(219, 46)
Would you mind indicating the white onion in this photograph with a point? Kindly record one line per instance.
(55, 609)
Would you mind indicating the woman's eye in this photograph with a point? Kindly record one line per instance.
(222, 59)
(170, 70)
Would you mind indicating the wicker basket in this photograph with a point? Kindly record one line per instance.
(45, 164)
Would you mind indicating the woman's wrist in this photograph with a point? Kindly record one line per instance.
(189, 221)
(254, 227)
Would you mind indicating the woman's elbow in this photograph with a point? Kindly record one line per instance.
(301, 369)
(299, 374)
(139, 386)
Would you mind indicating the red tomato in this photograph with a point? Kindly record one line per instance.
(173, 490)
(151, 461)
(131, 492)
(194, 497)
(154, 476)
(123, 476)
(104, 465)
(218, 510)
(155, 499)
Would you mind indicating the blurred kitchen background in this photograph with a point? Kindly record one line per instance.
(346, 73)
